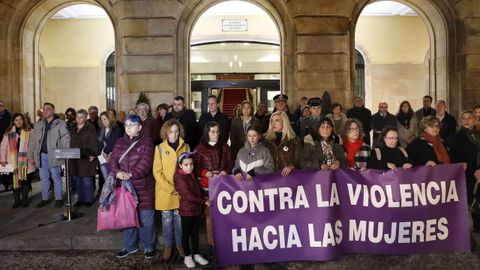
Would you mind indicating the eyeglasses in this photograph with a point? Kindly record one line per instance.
(354, 129)
(131, 125)
(392, 138)
(434, 126)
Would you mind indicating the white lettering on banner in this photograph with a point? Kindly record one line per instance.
(331, 237)
(334, 199)
(407, 232)
(410, 195)
(254, 200)
(254, 240)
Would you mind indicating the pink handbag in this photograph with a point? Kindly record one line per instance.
(122, 213)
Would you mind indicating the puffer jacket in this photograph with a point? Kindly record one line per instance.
(192, 197)
(58, 137)
(254, 160)
(216, 158)
(164, 168)
(138, 162)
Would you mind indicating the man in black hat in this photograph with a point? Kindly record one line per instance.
(307, 124)
(282, 106)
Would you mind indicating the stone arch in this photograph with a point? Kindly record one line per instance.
(29, 31)
(278, 13)
(439, 26)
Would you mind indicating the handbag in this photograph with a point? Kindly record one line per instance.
(121, 214)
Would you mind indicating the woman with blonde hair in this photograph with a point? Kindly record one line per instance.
(166, 196)
(283, 143)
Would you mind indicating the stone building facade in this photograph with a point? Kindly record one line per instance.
(317, 41)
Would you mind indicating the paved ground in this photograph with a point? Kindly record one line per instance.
(33, 238)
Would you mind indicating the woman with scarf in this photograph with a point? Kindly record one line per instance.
(212, 159)
(357, 151)
(465, 148)
(407, 124)
(239, 126)
(283, 143)
(389, 155)
(322, 150)
(13, 151)
(428, 149)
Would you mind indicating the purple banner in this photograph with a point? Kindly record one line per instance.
(320, 215)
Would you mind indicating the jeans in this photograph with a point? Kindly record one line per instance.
(171, 227)
(84, 188)
(105, 171)
(147, 232)
(190, 228)
(45, 172)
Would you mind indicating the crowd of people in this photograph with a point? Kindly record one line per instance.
(170, 157)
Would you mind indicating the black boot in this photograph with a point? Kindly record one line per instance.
(16, 198)
(25, 196)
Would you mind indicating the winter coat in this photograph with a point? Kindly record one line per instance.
(164, 168)
(420, 151)
(138, 162)
(151, 129)
(311, 156)
(58, 137)
(286, 153)
(219, 118)
(192, 197)
(106, 142)
(378, 123)
(5, 151)
(464, 148)
(254, 160)
(5, 121)
(86, 140)
(238, 134)
(382, 155)
(216, 158)
(308, 124)
(449, 126)
(406, 136)
(420, 114)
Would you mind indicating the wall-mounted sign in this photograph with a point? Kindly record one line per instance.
(235, 25)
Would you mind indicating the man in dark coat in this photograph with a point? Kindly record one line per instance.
(93, 117)
(282, 105)
(187, 118)
(363, 114)
(380, 120)
(308, 124)
(215, 115)
(261, 112)
(449, 124)
(427, 109)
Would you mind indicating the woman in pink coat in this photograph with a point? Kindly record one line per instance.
(13, 158)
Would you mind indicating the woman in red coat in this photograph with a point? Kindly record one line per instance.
(213, 159)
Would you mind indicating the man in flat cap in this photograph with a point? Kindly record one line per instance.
(281, 105)
(307, 124)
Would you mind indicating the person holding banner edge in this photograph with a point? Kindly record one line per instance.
(283, 143)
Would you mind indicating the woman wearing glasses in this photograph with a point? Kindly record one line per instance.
(389, 155)
(357, 151)
(428, 149)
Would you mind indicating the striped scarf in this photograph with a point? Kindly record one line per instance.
(18, 157)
